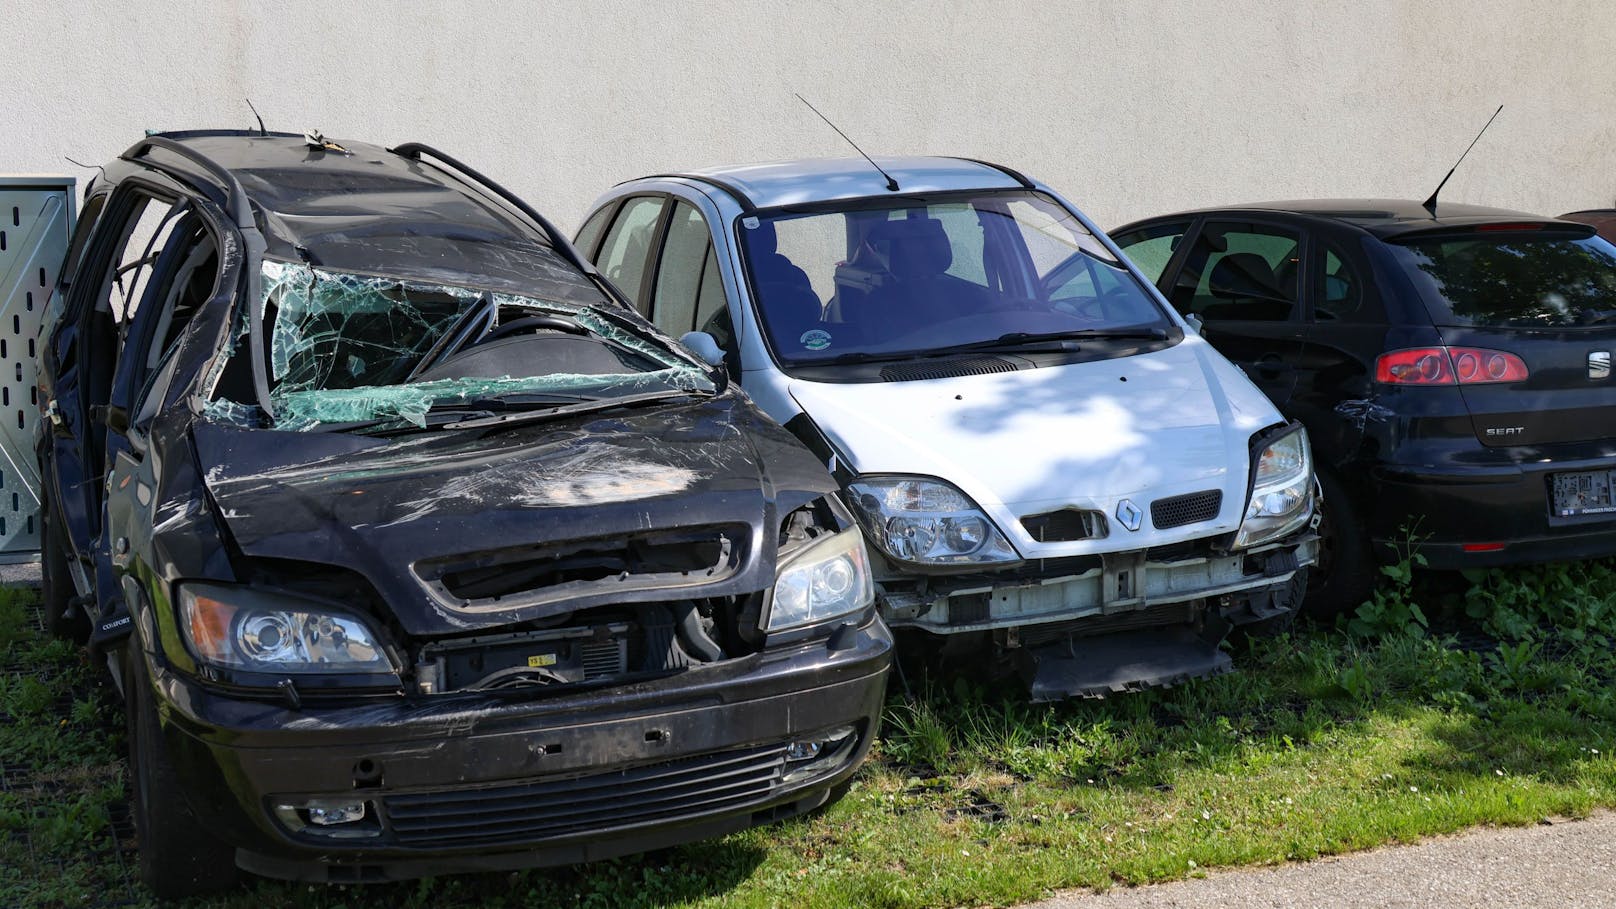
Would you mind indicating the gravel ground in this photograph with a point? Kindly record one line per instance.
(1567, 865)
(25, 574)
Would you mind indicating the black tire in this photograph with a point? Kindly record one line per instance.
(1345, 573)
(55, 583)
(178, 858)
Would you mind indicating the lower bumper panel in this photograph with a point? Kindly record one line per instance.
(1117, 663)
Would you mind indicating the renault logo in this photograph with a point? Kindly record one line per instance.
(1129, 514)
(1599, 364)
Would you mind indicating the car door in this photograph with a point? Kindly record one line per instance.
(100, 299)
(1241, 277)
(1345, 329)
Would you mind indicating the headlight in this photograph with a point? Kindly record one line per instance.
(1281, 490)
(927, 521)
(828, 578)
(247, 629)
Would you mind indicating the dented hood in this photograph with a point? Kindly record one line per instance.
(1083, 435)
(380, 506)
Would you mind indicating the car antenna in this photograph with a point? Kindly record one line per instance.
(261, 130)
(892, 185)
(1430, 204)
(86, 166)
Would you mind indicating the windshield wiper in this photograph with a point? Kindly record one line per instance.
(1596, 317)
(567, 410)
(1018, 340)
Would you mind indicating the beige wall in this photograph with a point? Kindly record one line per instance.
(1131, 108)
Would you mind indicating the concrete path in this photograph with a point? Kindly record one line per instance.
(1568, 865)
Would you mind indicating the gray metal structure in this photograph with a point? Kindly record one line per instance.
(36, 222)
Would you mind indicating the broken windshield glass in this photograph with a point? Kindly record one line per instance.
(344, 348)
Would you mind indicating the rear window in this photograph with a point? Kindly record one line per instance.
(1514, 280)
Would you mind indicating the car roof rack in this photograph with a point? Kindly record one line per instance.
(1015, 175)
(558, 240)
(236, 196)
(747, 205)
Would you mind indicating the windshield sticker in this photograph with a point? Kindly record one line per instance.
(815, 339)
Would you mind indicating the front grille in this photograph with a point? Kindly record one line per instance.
(1065, 526)
(1192, 508)
(945, 369)
(530, 812)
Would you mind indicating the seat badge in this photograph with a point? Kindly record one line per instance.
(1599, 364)
(1129, 514)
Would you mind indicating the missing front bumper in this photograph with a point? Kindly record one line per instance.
(1124, 585)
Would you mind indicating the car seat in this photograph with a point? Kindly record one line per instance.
(784, 293)
(1254, 292)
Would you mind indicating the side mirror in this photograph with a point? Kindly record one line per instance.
(1194, 320)
(704, 346)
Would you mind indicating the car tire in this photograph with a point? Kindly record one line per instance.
(178, 858)
(1345, 572)
(1280, 624)
(55, 582)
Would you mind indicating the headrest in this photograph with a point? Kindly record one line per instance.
(913, 247)
(1244, 275)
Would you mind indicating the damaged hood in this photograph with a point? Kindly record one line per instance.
(384, 506)
(1082, 435)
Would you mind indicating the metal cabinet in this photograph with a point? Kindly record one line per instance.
(36, 222)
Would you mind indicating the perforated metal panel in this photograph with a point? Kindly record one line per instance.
(36, 222)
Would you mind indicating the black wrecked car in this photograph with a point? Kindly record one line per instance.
(411, 547)
(1451, 363)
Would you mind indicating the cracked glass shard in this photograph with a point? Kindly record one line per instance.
(342, 348)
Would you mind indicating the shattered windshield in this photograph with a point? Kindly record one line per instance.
(910, 276)
(355, 348)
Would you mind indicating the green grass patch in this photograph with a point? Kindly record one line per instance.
(1324, 742)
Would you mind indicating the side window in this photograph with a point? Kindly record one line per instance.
(1340, 291)
(710, 299)
(626, 254)
(81, 235)
(589, 235)
(1151, 248)
(148, 233)
(1239, 271)
(685, 251)
(184, 277)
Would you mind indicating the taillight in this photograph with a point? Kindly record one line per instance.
(1448, 366)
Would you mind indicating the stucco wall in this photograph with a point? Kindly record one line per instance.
(1130, 108)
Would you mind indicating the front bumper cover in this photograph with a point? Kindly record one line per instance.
(496, 783)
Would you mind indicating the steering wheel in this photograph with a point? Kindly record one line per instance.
(533, 323)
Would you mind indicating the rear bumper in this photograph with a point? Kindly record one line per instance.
(1450, 508)
(478, 782)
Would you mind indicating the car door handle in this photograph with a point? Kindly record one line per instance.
(1272, 367)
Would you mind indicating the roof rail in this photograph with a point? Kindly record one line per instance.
(747, 205)
(1015, 175)
(558, 240)
(236, 202)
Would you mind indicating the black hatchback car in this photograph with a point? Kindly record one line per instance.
(411, 547)
(1452, 367)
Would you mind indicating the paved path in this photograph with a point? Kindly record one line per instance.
(1569, 865)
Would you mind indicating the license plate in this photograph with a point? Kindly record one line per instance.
(1580, 493)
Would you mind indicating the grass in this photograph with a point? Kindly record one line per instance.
(1325, 742)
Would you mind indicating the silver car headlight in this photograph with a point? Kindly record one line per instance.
(1281, 490)
(830, 577)
(929, 522)
(245, 629)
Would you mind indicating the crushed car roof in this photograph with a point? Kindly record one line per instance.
(808, 180)
(373, 210)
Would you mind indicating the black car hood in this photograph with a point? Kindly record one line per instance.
(383, 506)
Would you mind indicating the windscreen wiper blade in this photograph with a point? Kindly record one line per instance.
(1025, 339)
(567, 410)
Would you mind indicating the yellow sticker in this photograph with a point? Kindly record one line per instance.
(543, 659)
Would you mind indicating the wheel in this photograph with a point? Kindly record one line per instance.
(1282, 623)
(177, 857)
(1345, 572)
(55, 583)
